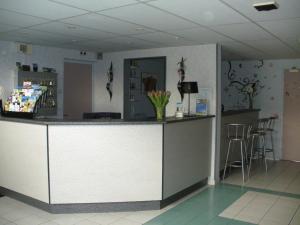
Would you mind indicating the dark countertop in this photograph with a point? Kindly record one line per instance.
(233, 112)
(102, 121)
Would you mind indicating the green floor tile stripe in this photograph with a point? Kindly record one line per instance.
(204, 207)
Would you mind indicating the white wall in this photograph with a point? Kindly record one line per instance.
(44, 57)
(270, 99)
(200, 67)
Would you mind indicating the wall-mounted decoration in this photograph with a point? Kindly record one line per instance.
(35, 67)
(249, 86)
(110, 77)
(181, 73)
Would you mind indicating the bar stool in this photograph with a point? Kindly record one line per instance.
(258, 134)
(237, 133)
(270, 130)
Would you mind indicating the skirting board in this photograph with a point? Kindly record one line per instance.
(102, 207)
(182, 193)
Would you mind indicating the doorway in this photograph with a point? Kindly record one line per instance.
(77, 89)
(291, 119)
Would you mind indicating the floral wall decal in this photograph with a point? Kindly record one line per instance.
(181, 73)
(249, 86)
(110, 77)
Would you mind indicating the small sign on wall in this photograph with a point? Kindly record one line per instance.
(202, 101)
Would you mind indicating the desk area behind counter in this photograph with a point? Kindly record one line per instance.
(66, 166)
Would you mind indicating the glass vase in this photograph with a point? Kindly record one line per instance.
(159, 113)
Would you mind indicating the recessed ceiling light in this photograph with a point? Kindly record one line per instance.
(176, 37)
(74, 40)
(139, 28)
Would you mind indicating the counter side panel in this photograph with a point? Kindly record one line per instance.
(187, 150)
(23, 159)
(98, 164)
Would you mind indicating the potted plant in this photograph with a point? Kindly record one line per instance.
(159, 99)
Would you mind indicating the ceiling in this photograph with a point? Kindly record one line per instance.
(116, 25)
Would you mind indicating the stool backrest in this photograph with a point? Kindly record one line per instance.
(237, 131)
(271, 123)
(261, 124)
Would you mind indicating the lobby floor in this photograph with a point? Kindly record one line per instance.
(282, 176)
(271, 198)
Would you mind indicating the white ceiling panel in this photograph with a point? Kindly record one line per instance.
(17, 37)
(275, 48)
(100, 22)
(115, 25)
(283, 28)
(41, 8)
(205, 12)
(294, 43)
(201, 35)
(238, 49)
(119, 44)
(164, 39)
(243, 32)
(228, 55)
(5, 28)
(72, 30)
(44, 36)
(16, 19)
(148, 16)
(287, 9)
(130, 42)
(145, 0)
(95, 5)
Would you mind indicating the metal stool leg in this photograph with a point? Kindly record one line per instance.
(228, 150)
(251, 155)
(272, 145)
(242, 156)
(264, 152)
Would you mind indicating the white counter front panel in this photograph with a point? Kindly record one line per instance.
(23, 159)
(109, 163)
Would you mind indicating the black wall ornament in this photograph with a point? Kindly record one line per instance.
(110, 77)
(181, 73)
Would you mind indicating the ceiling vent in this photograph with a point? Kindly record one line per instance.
(24, 48)
(266, 6)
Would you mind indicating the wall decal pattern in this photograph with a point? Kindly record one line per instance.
(249, 86)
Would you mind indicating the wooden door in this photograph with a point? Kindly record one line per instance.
(291, 116)
(77, 90)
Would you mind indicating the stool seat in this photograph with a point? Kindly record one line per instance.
(258, 133)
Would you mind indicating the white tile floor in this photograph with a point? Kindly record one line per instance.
(264, 209)
(13, 212)
(282, 176)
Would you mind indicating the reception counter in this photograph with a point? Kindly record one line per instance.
(103, 165)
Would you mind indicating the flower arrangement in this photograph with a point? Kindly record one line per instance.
(159, 99)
